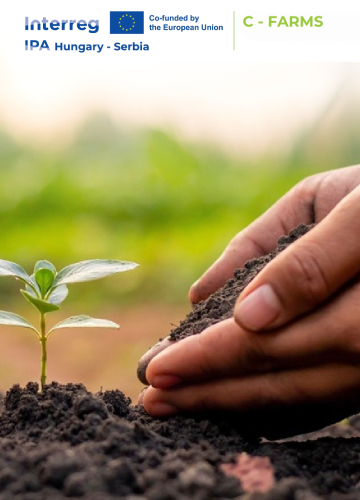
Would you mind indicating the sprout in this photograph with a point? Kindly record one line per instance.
(46, 289)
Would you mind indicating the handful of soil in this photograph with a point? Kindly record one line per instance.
(219, 306)
(272, 423)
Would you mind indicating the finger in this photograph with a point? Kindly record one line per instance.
(309, 201)
(149, 355)
(331, 385)
(306, 273)
(227, 350)
(260, 237)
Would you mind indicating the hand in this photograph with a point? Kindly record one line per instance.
(297, 378)
(310, 201)
(312, 362)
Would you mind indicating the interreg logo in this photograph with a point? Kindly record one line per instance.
(127, 22)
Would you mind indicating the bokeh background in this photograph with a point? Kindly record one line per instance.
(161, 168)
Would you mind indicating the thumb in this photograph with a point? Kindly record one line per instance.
(307, 273)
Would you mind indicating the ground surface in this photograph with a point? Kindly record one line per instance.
(69, 443)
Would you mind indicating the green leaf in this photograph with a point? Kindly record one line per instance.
(89, 270)
(84, 322)
(41, 305)
(44, 264)
(45, 273)
(8, 268)
(11, 319)
(58, 295)
(44, 278)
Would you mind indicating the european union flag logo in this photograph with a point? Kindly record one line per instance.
(127, 22)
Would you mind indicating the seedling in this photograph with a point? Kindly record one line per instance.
(46, 289)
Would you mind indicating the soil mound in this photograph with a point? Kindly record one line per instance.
(67, 443)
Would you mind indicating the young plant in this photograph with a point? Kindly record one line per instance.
(46, 289)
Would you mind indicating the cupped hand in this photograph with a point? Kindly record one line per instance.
(309, 201)
(303, 375)
(307, 296)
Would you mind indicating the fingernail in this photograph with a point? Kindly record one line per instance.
(194, 285)
(149, 355)
(165, 381)
(163, 409)
(193, 292)
(259, 309)
(140, 400)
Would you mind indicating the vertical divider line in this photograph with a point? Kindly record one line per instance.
(233, 30)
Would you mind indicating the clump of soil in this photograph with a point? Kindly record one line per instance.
(66, 442)
(220, 305)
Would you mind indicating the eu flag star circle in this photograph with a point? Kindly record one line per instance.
(127, 22)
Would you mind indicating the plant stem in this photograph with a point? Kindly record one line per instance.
(43, 340)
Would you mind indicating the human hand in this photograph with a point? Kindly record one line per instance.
(293, 379)
(309, 201)
(231, 368)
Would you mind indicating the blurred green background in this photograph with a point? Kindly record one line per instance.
(144, 196)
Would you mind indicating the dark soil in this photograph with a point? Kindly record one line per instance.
(219, 305)
(67, 443)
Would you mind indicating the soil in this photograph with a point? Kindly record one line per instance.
(219, 305)
(66, 442)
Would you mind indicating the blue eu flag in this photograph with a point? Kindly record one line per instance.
(127, 22)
